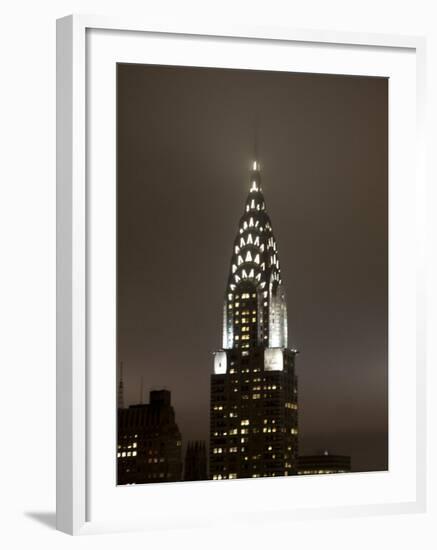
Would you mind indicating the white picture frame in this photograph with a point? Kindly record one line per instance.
(74, 283)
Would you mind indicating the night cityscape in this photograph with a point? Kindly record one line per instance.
(222, 374)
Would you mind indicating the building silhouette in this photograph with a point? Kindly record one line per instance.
(253, 411)
(195, 461)
(324, 463)
(149, 442)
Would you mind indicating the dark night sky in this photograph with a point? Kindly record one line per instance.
(185, 143)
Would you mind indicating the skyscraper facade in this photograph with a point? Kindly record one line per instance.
(253, 416)
(149, 444)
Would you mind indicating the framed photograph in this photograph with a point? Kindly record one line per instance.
(240, 275)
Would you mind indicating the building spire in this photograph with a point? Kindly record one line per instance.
(141, 390)
(255, 271)
(255, 146)
(120, 393)
(255, 163)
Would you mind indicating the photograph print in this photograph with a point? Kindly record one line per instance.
(252, 274)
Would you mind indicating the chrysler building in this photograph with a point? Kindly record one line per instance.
(253, 416)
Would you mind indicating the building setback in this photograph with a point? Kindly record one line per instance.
(324, 463)
(149, 442)
(253, 411)
(195, 461)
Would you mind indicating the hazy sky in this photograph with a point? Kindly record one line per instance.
(185, 143)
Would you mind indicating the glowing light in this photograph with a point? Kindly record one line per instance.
(273, 359)
(220, 362)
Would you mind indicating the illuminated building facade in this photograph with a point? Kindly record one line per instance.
(324, 463)
(149, 442)
(253, 416)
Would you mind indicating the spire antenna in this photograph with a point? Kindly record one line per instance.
(255, 164)
(255, 146)
(120, 394)
(141, 390)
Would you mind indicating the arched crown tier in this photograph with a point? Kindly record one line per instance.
(255, 311)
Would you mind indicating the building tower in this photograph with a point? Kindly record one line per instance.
(253, 416)
(149, 443)
(195, 461)
(324, 463)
